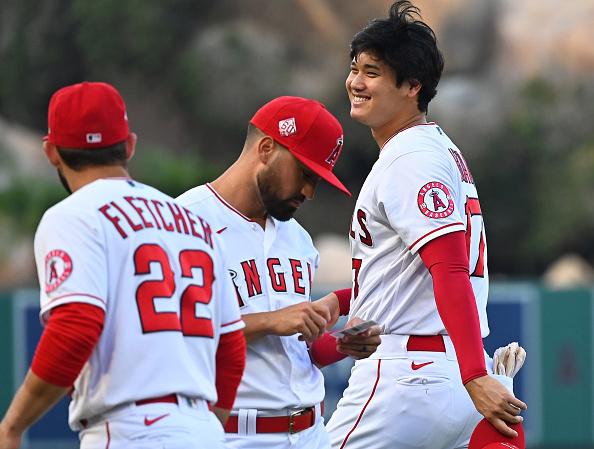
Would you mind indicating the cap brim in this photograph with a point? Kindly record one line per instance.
(322, 172)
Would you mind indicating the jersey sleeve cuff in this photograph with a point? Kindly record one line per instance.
(67, 299)
(447, 229)
(232, 326)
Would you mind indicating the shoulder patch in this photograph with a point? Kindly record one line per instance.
(58, 267)
(435, 201)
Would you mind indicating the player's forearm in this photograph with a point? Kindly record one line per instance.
(230, 364)
(457, 309)
(258, 325)
(446, 259)
(33, 399)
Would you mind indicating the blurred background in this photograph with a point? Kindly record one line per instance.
(517, 97)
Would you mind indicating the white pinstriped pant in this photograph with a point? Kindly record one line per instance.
(155, 426)
(390, 405)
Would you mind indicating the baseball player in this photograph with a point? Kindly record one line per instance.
(419, 259)
(134, 297)
(291, 143)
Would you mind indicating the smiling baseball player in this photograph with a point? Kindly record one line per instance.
(134, 296)
(419, 259)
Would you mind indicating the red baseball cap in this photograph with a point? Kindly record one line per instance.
(307, 130)
(485, 436)
(87, 115)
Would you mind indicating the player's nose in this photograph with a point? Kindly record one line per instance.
(355, 83)
(309, 190)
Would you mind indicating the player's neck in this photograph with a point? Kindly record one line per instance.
(77, 180)
(385, 132)
(237, 188)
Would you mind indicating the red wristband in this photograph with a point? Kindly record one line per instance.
(323, 351)
(344, 300)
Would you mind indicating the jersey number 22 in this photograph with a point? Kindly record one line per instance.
(187, 322)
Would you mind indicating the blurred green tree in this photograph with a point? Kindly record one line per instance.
(536, 180)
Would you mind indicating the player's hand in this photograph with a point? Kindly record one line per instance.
(496, 403)
(362, 345)
(329, 308)
(8, 440)
(508, 360)
(302, 319)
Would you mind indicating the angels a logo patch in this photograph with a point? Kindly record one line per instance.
(435, 201)
(58, 266)
(333, 157)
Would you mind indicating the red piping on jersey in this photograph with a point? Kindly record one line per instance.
(108, 434)
(222, 200)
(379, 363)
(232, 322)
(404, 129)
(76, 294)
(435, 230)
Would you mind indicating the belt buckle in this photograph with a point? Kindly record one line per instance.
(294, 414)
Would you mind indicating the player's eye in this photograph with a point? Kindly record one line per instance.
(310, 177)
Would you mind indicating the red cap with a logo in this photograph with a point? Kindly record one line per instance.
(307, 130)
(87, 115)
(485, 436)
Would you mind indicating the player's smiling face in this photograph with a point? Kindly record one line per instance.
(375, 99)
(284, 184)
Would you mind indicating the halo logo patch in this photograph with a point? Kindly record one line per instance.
(58, 266)
(435, 201)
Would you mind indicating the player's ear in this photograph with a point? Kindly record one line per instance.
(414, 87)
(131, 145)
(51, 152)
(265, 149)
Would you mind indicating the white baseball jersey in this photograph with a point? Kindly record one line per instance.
(271, 268)
(156, 271)
(419, 189)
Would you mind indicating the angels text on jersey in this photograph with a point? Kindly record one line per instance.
(248, 280)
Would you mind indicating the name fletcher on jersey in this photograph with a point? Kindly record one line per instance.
(177, 219)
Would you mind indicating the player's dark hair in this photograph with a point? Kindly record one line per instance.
(253, 132)
(79, 159)
(408, 45)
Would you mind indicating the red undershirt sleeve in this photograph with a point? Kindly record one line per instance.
(67, 342)
(230, 362)
(446, 259)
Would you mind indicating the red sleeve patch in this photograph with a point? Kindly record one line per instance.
(58, 267)
(435, 201)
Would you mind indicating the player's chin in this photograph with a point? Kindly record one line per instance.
(283, 212)
(359, 114)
